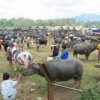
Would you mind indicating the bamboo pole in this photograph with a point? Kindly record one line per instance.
(78, 90)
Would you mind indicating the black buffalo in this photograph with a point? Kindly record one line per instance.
(41, 41)
(84, 48)
(61, 70)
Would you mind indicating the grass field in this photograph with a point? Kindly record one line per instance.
(35, 87)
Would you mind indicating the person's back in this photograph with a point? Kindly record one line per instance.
(55, 51)
(64, 54)
(8, 87)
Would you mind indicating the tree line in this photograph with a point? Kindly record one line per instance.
(19, 22)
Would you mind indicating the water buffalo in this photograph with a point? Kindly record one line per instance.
(84, 48)
(6, 43)
(70, 42)
(20, 57)
(61, 70)
(57, 40)
(41, 41)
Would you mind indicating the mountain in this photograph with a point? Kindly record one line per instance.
(87, 17)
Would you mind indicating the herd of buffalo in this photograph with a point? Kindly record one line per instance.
(58, 70)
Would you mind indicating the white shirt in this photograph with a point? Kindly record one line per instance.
(8, 87)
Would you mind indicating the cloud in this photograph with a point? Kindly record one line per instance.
(46, 9)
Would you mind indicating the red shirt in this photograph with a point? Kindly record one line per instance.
(1, 42)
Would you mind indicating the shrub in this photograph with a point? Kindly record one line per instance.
(91, 93)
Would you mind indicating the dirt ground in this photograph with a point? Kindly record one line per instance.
(31, 92)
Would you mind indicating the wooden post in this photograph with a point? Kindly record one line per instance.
(50, 86)
(50, 91)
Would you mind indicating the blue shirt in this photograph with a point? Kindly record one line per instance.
(64, 55)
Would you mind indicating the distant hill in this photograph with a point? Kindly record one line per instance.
(87, 17)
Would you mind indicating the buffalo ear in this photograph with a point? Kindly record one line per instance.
(41, 64)
(36, 66)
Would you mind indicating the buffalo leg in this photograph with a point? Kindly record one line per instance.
(27, 44)
(38, 47)
(75, 82)
(15, 64)
(45, 44)
(80, 84)
(87, 56)
(10, 63)
(19, 67)
(75, 54)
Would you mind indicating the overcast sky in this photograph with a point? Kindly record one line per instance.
(47, 9)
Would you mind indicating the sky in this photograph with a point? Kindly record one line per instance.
(47, 9)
